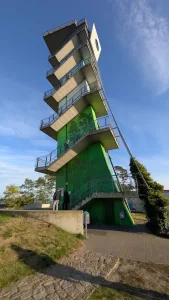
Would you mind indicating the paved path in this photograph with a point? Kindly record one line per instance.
(136, 243)
(72, 278)
(77, 276)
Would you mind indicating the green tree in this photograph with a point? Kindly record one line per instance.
(44, 189)
(156, 204)
(50, 184)
(40, 190)
(27, 190)
(14, 198)
(124, 179)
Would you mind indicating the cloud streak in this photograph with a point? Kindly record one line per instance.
(15, 167)
(145, 32)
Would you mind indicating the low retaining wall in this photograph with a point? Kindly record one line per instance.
(38, 206)
(69, 220)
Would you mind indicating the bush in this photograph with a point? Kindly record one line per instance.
(156, 205)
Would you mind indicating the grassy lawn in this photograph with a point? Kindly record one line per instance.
(142, 215)
(110, 294)
(40, 243)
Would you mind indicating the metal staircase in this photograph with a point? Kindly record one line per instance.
(98, 189)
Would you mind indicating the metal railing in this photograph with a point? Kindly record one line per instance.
(51, 71)
(80, 93)
(63, 80)
(60, 27)
(83, 130)
(101, 185)
(67, 39)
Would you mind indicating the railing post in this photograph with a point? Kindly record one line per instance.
(51, 157)
(37, 162)
(46, 161)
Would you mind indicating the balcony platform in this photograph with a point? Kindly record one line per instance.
(54, 38)
(55, 75)
(85, 72)
(91, 98)
(105, 136)
(78, 36)
(79, 53)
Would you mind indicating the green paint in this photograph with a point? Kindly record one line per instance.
(120, 206)
(89, 170)
(76, 128)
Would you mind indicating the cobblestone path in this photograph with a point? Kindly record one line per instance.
(72, 278)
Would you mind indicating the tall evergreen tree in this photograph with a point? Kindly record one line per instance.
(156, 205)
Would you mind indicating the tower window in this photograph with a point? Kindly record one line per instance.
(97, 44)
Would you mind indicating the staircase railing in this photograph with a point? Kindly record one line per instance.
(88, 127)
(96, 186)
(66, 77)
(66, 40)
(80, 93)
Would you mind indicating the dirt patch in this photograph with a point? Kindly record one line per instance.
(143, 275)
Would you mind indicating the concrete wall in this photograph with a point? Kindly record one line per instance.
(38, 206)
(69, 220)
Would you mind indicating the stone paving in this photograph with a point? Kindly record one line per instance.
(137, 244)
(76, 277)
(71, 278)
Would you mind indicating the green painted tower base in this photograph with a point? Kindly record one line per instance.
(89, 170)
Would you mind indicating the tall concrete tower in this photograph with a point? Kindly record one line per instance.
(80, 125)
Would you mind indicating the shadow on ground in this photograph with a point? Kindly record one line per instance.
(38, 262)
(138, 228)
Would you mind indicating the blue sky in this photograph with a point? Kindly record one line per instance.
(134, 35)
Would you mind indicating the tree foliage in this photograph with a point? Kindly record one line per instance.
(156, 204)
(124, 178)
(38, 191)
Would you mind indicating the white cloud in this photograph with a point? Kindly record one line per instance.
(15, 167)
(21, 109)
(145, 32)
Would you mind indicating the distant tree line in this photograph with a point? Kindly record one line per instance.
(156, 204)
(40, 190)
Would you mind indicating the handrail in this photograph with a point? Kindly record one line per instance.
(60, 27)
(66, 77)
(80, 93)
(52, 70)
(46, 161)
(67, 39)
(97, 185)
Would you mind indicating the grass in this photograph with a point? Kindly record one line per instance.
(7, 234)
(105, 293)
(140, 214)
(4, 218)
(29, 245)
(141, 278)
(80, 236)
